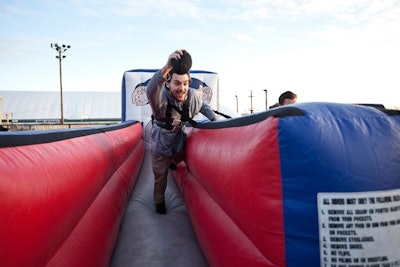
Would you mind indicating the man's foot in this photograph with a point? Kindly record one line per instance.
(172, 166)
(161, 209)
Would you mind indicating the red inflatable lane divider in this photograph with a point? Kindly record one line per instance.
(92, 241)
(226, 208)
(62, 201)
(222, 241)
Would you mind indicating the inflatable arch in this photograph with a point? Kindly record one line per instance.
(311, 184)
(134, 100)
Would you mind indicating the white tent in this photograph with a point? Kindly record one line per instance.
(44, 105)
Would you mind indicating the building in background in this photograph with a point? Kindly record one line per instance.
(43, 107)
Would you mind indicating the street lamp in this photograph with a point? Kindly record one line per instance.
(237, 104)
(251, 101)
(60, 50)
(266, 99)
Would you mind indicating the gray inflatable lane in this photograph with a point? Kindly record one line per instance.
(147, 238)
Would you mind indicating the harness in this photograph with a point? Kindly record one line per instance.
(168, 122)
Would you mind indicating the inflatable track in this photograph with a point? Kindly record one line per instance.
(313, 184)
(147, 238)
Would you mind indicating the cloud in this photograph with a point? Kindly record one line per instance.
(243, 37)
(143, 9)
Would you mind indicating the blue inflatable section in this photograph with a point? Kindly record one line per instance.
(338, 163)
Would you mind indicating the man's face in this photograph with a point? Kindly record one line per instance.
(179, 86)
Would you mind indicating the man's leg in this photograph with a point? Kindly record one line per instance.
(160, 170)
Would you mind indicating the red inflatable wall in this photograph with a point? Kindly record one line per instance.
(225, 209)
(269, 189)
(62, 202)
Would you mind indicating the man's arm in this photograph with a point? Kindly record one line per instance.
(154, 87)
(207, 111)
(160, 76)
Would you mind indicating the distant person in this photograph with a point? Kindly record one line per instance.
(287, 98)
(173, 103)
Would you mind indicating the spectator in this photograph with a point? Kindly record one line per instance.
(287, 98)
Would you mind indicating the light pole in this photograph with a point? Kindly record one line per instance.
(60, 50)
(266, 99)
(237, 104)
(251, 101)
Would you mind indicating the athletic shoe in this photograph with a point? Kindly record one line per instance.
(160, 208)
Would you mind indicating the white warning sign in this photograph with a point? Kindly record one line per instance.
(359, 229)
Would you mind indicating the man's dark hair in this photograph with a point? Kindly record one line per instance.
(181, 66)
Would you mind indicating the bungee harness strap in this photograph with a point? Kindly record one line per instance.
(167, 122)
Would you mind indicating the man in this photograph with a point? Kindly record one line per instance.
(287, 98)
(173, 103)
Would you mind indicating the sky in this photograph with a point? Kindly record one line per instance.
(345, 51)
